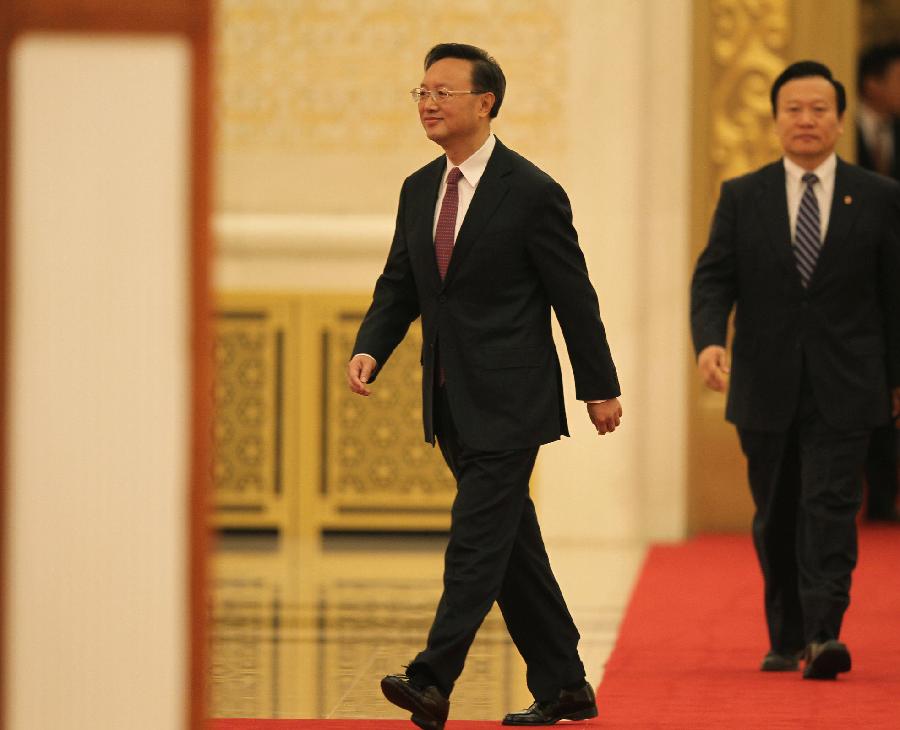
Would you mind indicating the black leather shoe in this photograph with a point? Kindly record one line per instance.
(428, 706)
(826, 660)
(777, 662)
(570, 705)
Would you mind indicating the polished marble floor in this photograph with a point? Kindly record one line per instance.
(306, 629)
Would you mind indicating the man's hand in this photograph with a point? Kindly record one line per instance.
(713, 366)
(359, 370)
(605, 416)
(895, 410)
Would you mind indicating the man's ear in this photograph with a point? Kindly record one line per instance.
(487, 103)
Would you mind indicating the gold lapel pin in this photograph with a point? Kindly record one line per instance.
(848, 199)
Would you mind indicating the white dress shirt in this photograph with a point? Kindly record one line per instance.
(472, 170)
(824, 190)
(878, 136)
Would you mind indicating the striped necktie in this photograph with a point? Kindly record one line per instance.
(807, 242)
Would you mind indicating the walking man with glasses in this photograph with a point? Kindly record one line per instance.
(483, 249)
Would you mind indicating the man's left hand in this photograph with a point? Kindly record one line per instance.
(605, 416)
(895, 410)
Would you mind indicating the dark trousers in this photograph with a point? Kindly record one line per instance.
(496, 553)
(881, 472)
(807, 487)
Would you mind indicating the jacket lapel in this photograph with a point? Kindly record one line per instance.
(774, 212)
(422, 234)
(844, 207)
(491, 190)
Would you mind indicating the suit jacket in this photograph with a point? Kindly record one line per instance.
(864, 156)
(842, 333)
(515, 257)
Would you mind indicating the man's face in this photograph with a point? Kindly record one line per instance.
(806, 119)
(459, 117)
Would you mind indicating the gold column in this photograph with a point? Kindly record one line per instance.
(740, 46)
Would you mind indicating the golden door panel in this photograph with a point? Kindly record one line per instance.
(295, 449)
(249, 464)
(377, 472)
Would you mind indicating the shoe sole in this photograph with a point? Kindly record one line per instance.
(426, 723)
(779, 665)
(585, 714)
(832, 661)
(396, 694)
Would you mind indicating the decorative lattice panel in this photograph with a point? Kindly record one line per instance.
(249, 474)
(295, 449)
(378, 470)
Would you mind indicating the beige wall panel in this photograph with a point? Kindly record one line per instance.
(99, 418)
(316, 94)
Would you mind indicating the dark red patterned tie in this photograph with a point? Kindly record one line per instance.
(446, 225)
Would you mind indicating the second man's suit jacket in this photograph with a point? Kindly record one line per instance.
(515, 257)
(842, 333)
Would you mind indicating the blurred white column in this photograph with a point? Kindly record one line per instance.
(99, 382)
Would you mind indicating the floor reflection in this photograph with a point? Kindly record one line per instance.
(306, 629)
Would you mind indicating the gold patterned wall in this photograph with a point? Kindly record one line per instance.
(740, 47)
(249, 465)
(294, 76)
(377, 466)
(307, 90)
(295, 449)
(748, 49)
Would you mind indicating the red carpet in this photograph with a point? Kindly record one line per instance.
(354, 725)
(689, 648)
(694, 634)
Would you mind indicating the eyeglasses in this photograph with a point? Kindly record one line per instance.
(438, 95)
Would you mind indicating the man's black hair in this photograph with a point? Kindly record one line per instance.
(486, 72)
(874, 61)
(805, 69)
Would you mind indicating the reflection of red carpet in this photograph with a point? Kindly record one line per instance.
(693, 636)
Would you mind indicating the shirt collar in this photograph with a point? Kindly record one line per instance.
(824, 172)
(870, 121)
(473, 168)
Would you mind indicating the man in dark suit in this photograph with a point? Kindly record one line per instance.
(878, 149)
(807, 252)
(877, 125)
(484, 247)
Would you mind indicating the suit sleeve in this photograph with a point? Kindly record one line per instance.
(395, 302)
(553, 247)
(714, 285)
(889, 285)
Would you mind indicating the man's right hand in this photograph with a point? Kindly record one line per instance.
(359, 370)
(713, 366)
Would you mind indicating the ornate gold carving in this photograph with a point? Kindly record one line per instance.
(377, 463)
(323, 75)
(295, 449)
(248, 471)
(748, 47)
